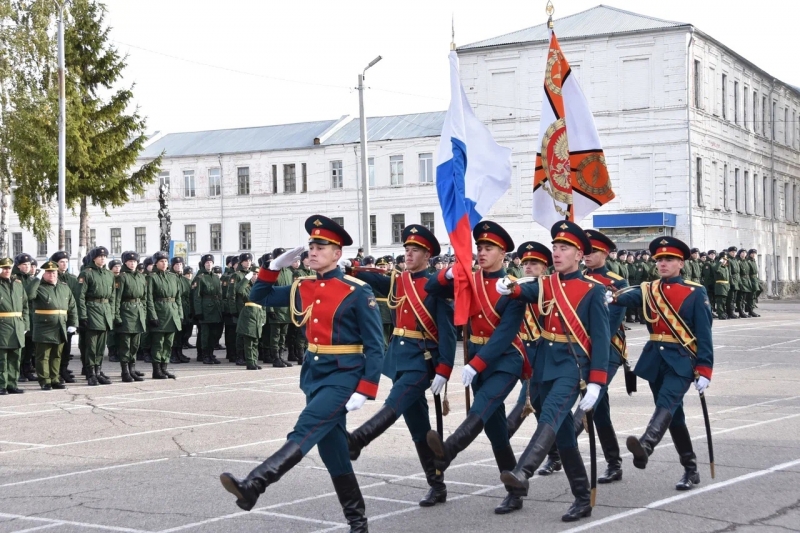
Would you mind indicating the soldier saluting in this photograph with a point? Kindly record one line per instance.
(14, 322)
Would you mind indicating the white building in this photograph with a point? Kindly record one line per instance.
(700, 143)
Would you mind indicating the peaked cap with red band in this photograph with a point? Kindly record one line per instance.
(669, 247)
(322, 230)
(419, 235)
(535, 251)
(571, 233)
(600, 241)
(493, 233)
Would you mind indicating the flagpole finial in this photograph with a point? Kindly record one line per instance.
(452, 32)
(549, 10)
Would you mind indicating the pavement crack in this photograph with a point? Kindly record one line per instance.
(783, 511)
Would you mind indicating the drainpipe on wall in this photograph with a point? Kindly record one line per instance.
(222, 216)
(774, 285)
(689, 63)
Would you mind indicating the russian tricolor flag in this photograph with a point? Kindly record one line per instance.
(472, 173)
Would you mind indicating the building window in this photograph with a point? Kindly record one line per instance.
(304, 170)
(786, 126)
(778, 268)
(41, 248)
(715, 187)
(274, 179)
(398, 223)
(426, 168)
(792, 136)
(190, 235)
(92, 238)
(16, 239)
(764, 116)
(785, 211)
(774, 200)
(744, 106)
(698, 84)
(337, 180)
(749, 198)
(243, 181)
(214, 186)
(116, 241)
(764, 192)
(216, 237)
(338, 220)
(772, 115)
(427, 220)
(68, 242)
(724, 97)
(163, 179)
(737, 191)
(736, 102)
(140, 240)
(289, 178)
(699, 163)
(755, 117)
(244, 236)
(371, 171)
(188, 184)
(725, 188)
(373, 230)
(396, 169)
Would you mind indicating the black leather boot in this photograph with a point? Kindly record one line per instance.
(446, 451)
(578, 483)
(91, 378)
(610, 445)
(66, 376)
(370, 430)
(553, 462)
(352, 502)
(514, 419)
(166, 372)
(135, 374)
(577, 418)
(140, 354)
(181, 358)
(157, 374)
(126, 373)
(506, 461)
(173, 356)
(250, 488)
(642, 448)
(683, 444)
(531, 458)
(113, 355)
(301, 354)
(292, 354)
(102, 379)
(438, 490)
(277, 360)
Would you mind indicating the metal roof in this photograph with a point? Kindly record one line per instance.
(391, 128)
(599, 20)
(257, 139)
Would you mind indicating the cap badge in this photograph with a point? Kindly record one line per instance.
(664, 242)
(529, 247)
(317, 223)
(413, 230)
(564, 226)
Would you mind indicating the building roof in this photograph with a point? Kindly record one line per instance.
(391, 128)
(599, 20)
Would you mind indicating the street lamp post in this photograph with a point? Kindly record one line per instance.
(62, 130)
(366, 240)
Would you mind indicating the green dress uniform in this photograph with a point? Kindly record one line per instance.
(130, 317)
(164, 314)
(236, 304)
(96, 312)
(251, 319)
(207, 303)
(54, 310)
(14, 322)
(279, 319)
(72, 282)
(721, 288)
(27, 357)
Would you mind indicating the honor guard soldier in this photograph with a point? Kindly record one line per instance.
(618, 355)
(54, 317)
(14, 322)
(497, 359)
(164, 313)
(680, 349)
(420, 355)
(130, 314)
(207, 305)
(342, 368)
(250, 316)
(177, 357)
(573, 351)
(96, 312)
(61, 258)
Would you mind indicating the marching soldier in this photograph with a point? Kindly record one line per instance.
(208, 307)
(735, 279)
(23, 272)
(574, 350)
(279, 318)
(680, 350)
(497, 359)
(251, 316)
(721, 286)
(343, 370)
(130, 315)
(96, 312)
(62, 259)
(176, 267)
(755, 283)
(164, 313)
(54, 316)
(14, 322)
(421, 354)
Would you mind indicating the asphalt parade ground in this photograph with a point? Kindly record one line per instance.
(145, 457)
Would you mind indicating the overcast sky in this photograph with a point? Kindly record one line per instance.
(209, 64)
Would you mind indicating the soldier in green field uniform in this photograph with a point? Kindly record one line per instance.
(22, 271)
(176, 356)
(237, 301)
(515, 269)
(145, 352)
(14, 322)
(207, 305)
(229, 310)
(188, 328)
(707, 278)
(383, 303)
(130, 315)
(54, 316)
(611, 262)
(164, 313)
(111, 341)
(96, 312)
(745, 287)
(62, 259)
(292, 331)
(733, 292)
(721, 286)
(755, 283)
(279, 318)
(641, 273)
(263, 343)
(251, 315)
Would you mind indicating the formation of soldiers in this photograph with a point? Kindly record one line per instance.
(556, 325)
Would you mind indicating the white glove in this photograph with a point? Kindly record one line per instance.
(438, 384)
(449, 273)
(344, 263)
(39, 274)
(502, 286)
(72, 329)
(467, 375)
(701, 384)
(590, 398)
(249, 276)
(355, 402)
(286, 258)
(609, 297)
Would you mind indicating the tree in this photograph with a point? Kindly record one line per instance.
(104, 138)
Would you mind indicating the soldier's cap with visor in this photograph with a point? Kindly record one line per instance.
(59, 255)
(245, 256)
(112, 263)
(535, 251)
(600, 242)
(381, 261)
(159, 255)
(100, 251)
(489, 232)
(419, 235)
(568, 232)
(177, 260)
(6, 262)
(669, 247)
(49, 266)
(322, 230)
(206, 258)
(130, 256)
(23, 258)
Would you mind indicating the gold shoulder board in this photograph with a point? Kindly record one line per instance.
(612, 275)
(355, 280)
